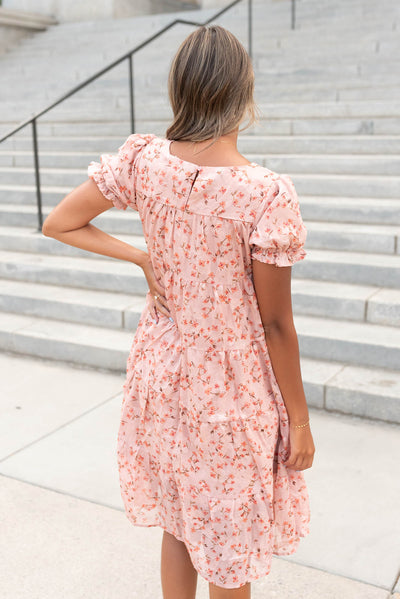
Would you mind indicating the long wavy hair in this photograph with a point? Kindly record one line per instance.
(210, 86)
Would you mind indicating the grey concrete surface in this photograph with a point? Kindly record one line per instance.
(62, 519)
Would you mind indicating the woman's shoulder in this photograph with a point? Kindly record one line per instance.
(266, 175)
(138, 140)
(273, 181)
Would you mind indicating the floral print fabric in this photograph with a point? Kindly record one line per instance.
(204, 428)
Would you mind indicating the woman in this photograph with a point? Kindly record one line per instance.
(214, 431)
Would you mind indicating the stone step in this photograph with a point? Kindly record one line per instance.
(26, 216)
(279, 47)
(20, 235)
(350, 94)
(350, 210)
(378, 49)
(302, 80)
(379, 125)
(146, 109)
(277, 23)
(29, 21)
(376, 239)
(342, 69)
(345, 164)
(333, 126)
(25, 198)
(271, 110)
(148, 25)
(340, 164)
(48, 176)
(368, 392)
(376, 28)
(361, 303)
(85, 345)
(381, 270)
(362, 52)
(154, 101)
(308, 184)
(148, 82)
(27, 239)
(22, 200)
(357, 268)
(375, 186)
(70, 304)
(107, 274)
(335, 18)
(371, 392)
(266, 52)
(252, 144)
(113, 95)
(358, 343)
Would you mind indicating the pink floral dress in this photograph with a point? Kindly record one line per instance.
(204, 428)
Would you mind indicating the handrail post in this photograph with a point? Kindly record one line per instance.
(250, 26)
(37, 175)
(293, 14)
(131, 94)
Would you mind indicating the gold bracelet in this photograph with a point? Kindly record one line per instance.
(300, 425)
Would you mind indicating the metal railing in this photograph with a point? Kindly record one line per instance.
(293, 23)
(128, 56)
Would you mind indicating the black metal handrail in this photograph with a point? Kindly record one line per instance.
(129, 57)
(293, 23)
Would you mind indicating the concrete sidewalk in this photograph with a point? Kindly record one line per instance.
(64, 533)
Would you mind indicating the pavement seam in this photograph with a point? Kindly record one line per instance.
(396, 580)
(56, 430)
(64, 493)
(335, 573)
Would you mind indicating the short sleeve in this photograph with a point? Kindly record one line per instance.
(279, 234)
(114, 174)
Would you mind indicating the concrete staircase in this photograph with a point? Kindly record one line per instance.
(328, 92)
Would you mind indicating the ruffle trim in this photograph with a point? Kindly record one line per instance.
(114, 174)
(230, 541)
(105, 182)
(279, 256)
(280, 234)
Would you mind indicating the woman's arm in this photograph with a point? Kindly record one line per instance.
(69, 223)
(273, 290)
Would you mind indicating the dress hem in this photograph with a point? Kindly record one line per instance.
(199, 569)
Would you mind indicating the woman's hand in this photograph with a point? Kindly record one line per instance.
(160, 303)
(301, 448)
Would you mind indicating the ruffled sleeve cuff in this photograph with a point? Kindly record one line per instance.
(280, 234)
(114, 175)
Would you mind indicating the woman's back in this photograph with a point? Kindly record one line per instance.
(203, 225)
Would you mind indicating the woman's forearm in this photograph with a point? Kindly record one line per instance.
(95, 240)
(283, 348)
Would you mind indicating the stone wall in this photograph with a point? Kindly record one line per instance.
(15, 25)
(76, 10)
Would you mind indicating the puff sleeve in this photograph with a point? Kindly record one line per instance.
(279, 234)
(114, 174)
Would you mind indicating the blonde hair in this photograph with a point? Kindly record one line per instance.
(210, 86)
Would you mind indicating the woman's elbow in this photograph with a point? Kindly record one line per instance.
(48, 227)
(47, 230)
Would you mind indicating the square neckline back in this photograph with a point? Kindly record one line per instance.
(166, 147)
